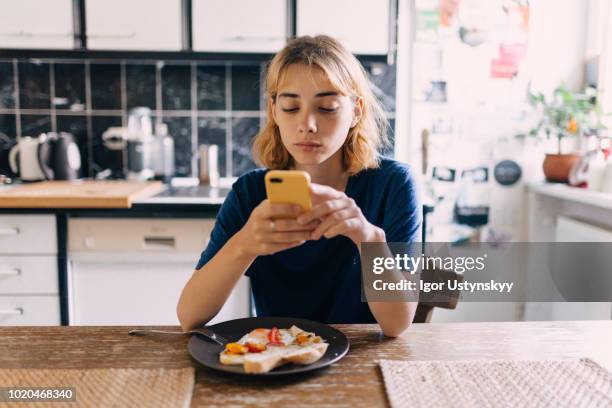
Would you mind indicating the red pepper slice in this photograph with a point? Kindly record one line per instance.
(274, 337)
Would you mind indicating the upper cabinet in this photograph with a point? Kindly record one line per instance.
(239, 25)
(139, 25)
(36, 24)
(360, 25)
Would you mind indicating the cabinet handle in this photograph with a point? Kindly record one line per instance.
(11, 272)
(9, 231)
(159, 242)
(241, 38)
(118, 36)
(30, 34)
(12, 312)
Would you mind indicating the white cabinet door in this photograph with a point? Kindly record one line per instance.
(36, 24)
(362, 26)
(239, 25)
(29, 311)
(133, 25)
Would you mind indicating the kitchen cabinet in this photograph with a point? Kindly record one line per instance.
(29, 290)
(361, 25)
(36, 24)
(133, 25)
(132, 271)
(239, 25)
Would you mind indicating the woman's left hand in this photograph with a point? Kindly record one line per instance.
(339, 215)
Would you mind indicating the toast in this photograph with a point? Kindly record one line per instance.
(262, 350)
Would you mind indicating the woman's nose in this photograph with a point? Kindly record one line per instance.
(307, 123)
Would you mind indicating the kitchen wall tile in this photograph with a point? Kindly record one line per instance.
(243, 132)
(213, 131)
(105, 86)
(7, 85)
(246, 82)
(69, 86)
(34, 125)
(383, 78)
(8, 126)
(210, 87)
(176, 87)
(7, 140)
(77, 126)
(140, 85)
(180, 130)
(34, 85)
(103, 158)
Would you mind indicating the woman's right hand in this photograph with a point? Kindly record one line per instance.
(265, 234)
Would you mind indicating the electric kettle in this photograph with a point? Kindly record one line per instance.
(59, 157)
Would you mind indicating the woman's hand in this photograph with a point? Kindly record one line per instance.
(339, 215)
(265, 234)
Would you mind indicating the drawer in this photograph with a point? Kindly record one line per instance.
(28, 275)
(28, 234)
(29, 311)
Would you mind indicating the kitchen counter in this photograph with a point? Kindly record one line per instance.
(353, 381)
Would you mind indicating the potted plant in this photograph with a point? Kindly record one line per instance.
(565, 114)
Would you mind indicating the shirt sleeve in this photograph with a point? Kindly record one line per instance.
(402, 221)
(231, 218)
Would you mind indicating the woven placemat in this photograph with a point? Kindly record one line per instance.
(497, 383)
(107, 387)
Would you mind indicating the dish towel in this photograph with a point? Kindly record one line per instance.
(107, 387)
(497, 383)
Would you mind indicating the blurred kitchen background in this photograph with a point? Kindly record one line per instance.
(172, 90)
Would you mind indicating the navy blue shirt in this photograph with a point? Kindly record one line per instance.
(320, 280)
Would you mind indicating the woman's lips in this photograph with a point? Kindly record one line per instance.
(308, 146)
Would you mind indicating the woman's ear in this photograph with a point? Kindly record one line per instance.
(357, 111)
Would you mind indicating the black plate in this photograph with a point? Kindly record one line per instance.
(207, 352)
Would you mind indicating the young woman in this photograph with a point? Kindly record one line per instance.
(323, 119)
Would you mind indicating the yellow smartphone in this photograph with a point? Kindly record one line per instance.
(289, 187)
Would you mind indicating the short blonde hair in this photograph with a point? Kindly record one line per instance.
(364, 140)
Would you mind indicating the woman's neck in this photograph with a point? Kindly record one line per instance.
(330, 173)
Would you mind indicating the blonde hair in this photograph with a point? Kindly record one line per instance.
(364, 140)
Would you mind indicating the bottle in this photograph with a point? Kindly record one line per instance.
(163, 157)
(209, 165)
(597, 168)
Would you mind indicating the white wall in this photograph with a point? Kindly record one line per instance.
(557, 43)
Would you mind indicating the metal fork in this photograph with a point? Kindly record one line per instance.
(204, 331)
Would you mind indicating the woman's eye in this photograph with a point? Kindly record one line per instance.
(289, 109)
(328, 110)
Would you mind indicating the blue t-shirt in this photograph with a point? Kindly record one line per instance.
(320, 280)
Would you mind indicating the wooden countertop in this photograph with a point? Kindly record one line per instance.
(78, 194)
(354, 381)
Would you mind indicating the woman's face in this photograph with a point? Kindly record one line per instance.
(313, 117)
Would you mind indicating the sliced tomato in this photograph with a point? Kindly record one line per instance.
(255, 347)
(274, 337)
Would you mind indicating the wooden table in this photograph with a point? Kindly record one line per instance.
(352, 382)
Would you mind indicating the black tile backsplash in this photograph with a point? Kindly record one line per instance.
(243, 132)
(210, 85)
(180, 129)
(140, 85)
(69, 86)
(213, 131)
(246, 82)
(103, 158)
(176, 87)
(34, 86)
(34, 125)
(8, 126)
(85, 97)
(105, 86)
(7, 85)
